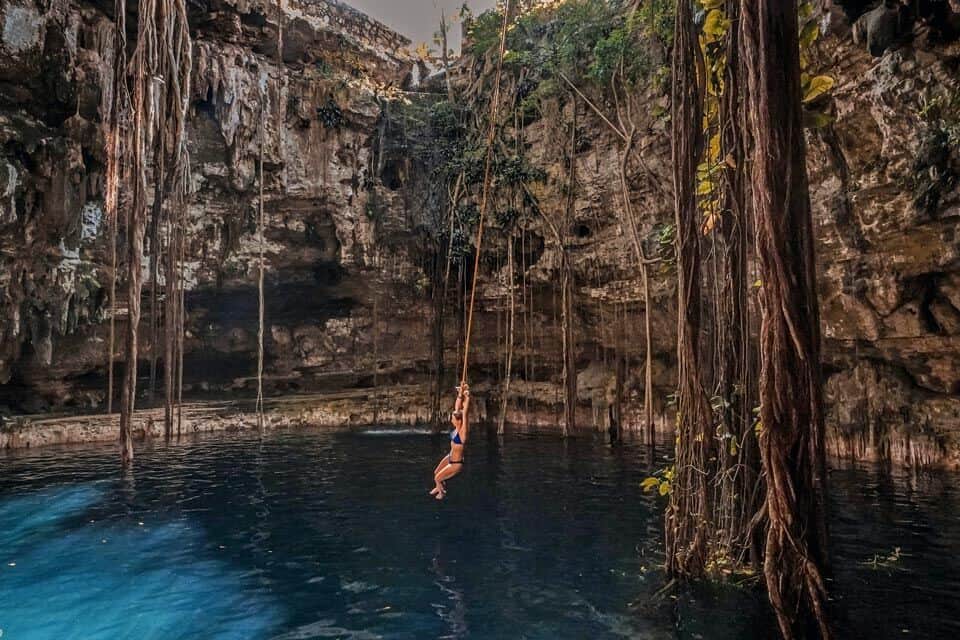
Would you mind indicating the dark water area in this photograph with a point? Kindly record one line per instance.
(332, 535)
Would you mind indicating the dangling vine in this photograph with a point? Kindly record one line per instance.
(161, 57)
(117, 132)
(688, 526)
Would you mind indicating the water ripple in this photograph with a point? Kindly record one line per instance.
(332, 535)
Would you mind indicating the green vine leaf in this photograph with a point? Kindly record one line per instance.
(817, 119)
(809, 34)
(716, 24)
(650, 483)
(817, 86)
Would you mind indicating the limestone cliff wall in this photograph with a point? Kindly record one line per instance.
(886, 201)
(350, 229)
(327, 270)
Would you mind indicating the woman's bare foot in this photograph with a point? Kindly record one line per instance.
(438, 489)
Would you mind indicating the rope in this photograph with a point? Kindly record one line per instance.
(487, 170)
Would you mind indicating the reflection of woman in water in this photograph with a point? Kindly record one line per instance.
(452, 464)
(454, 615)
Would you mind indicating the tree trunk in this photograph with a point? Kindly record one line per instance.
(740, 494)
(791, 395)
(688, 520)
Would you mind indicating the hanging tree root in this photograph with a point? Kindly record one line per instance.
(792, 437)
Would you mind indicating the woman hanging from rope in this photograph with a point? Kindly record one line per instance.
(452, 463)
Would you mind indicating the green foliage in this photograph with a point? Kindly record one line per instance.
(628, 48)
(594, 39)
(468, 214)
(657, 18)
(483, 31)
(666, 236)
(446, 120)
(507, 218)
(662, 481)
(574, 33)
(815, 88)
(324, 68)
(466, 217)
(942, 113)
(470, 162)
(330, 114)
(513, 171)
(588, 41)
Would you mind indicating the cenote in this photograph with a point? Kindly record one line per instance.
(331, 534)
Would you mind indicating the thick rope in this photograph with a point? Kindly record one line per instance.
(485, 198)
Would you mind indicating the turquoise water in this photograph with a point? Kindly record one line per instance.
(332, 535)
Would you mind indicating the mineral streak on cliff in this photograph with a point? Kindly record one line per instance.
(351, 226)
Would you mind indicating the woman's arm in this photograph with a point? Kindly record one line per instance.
(466, 410)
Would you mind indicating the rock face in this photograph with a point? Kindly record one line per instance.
(886, 196)
(350, 228)
(327, 269)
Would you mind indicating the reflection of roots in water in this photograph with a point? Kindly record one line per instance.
(456, 616)
(261, 506)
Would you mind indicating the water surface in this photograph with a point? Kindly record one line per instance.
(331, 535)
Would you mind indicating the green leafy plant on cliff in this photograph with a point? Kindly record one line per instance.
(816, 88)
(330, 114)
(588, 42)
(637, 48)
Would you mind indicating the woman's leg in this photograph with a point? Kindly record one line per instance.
(445, 474)
(437, 487)
(453, 465)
